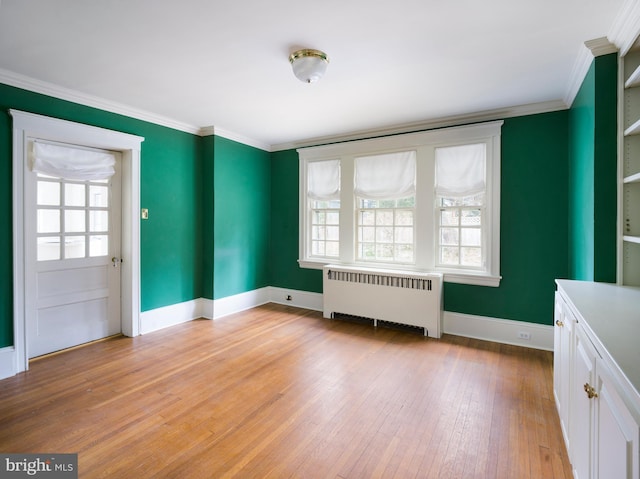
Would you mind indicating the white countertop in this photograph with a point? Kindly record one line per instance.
(612, 313)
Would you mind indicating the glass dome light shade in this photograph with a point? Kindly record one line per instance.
(309, 65)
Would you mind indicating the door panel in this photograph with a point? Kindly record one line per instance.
(72, 230)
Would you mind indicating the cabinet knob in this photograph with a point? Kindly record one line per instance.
(590, 390)
(559, 323)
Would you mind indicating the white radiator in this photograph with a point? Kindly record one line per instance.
(410, 298)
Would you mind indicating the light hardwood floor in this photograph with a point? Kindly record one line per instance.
(278, 392)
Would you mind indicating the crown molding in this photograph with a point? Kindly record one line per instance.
(26, 83)
(229, 135)
(626, 26)
(457, 120)
(588, 51)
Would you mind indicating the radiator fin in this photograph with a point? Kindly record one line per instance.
(381, 280)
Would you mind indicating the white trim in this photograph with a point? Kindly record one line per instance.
(498, 330)
(229, 135)
(21, 81)
(626, 26)
(7, 362)
(299, 299)
(29, 125)
(588, 51)
(167, 316)
(240, 302)
(457, 120)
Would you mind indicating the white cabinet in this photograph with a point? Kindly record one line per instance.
(563, 339)
(616, 444)
(597, 398)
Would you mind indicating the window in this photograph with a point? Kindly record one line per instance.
(425, 201)
(385, 199)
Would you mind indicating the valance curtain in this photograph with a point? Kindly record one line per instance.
(389, 176)
(323, 178)
(72, 163)
(460, 170)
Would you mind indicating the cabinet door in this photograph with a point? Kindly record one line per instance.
(562, 359)
(617, 442)
(581, 418)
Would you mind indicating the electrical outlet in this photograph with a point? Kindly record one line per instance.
(524, 335)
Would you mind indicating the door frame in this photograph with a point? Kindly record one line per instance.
(29, 125)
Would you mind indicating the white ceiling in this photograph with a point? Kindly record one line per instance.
(224, 63)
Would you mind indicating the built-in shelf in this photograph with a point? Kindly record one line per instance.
(631, 239)
(633, 129)
(634, 79)
(632, 178)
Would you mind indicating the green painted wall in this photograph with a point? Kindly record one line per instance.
(208, 155)
(170, 241)
(592, 174)
(581, 168)
(533, 224)
(285, 272)
(242, 216)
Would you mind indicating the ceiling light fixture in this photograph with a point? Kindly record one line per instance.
(309, 65)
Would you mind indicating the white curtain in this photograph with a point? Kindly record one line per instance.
(388, 176)
(323, 180)
(460, 170)
(71, 163)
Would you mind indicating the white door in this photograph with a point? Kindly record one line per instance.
(72, 260)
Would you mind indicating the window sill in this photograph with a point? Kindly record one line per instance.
(477, 279)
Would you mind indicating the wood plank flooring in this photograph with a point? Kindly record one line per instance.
(279, 392)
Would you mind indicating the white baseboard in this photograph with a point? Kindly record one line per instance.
(239, 302)
(8, 363)
(499, 330)
(294, 297)
(160, 318)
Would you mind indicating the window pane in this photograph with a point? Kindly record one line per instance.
(471, 257)
(48, 193)
(74, 247)
(449, 236)
(384, 252)
(317, 233)
(74, 221)
(404, 253)
(367, 234)
(98, 221)
(404, 217)
(404, 235)
(318, 217)
(449, 217)
(449, 256)
(98, 245)
(98, 196)
(48, 221)
(471, 217)
(367, 218)
(48, 248)
(471, 237)
(74, 194)
(384, 217)
(333, 217)
(367, 251)
(333, 233)
(384, 234)
(332, 248)
(317, 248)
